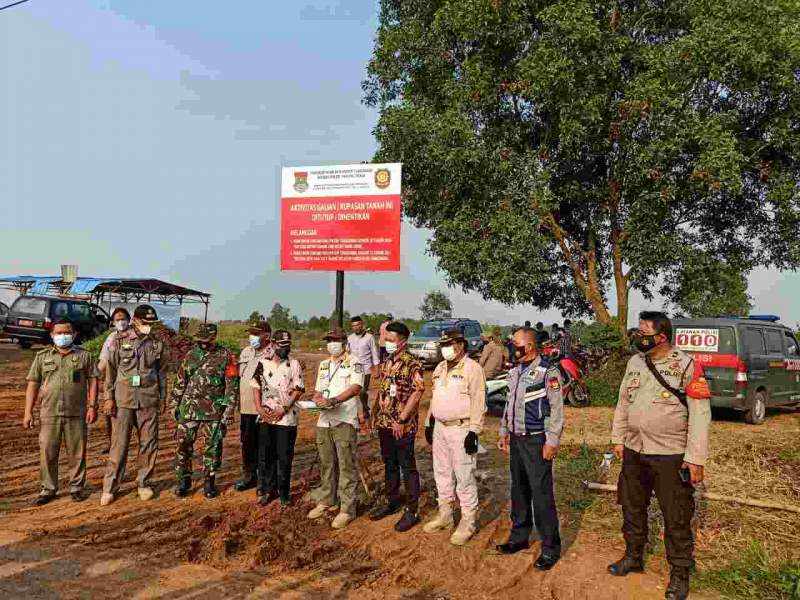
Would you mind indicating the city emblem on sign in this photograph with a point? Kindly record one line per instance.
(383, 177)
(300, 181)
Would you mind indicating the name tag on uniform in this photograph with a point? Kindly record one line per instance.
(393, 390)
(136, 380)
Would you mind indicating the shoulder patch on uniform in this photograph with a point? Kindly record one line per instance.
(358, 367)
(553, 383)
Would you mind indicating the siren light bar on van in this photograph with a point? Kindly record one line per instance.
(767, 318)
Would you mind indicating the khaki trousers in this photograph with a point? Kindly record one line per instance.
(146, 420)
(338, 467)
(73, 431)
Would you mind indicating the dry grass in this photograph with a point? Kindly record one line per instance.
(757, 462)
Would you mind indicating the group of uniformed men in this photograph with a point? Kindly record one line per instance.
(660, 427)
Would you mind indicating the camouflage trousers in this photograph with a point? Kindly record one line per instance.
(214, 434)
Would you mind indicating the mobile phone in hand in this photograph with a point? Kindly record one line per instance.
(685, 475)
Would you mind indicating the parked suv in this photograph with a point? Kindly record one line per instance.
(751, 363)
(424, 343)
(3, 315)
(31, 318)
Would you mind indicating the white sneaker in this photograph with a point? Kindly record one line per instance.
(106, 499)
(318, 511)
(146, 493)
(342, 520)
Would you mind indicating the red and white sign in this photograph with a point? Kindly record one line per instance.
(341, 218)
(697, 340)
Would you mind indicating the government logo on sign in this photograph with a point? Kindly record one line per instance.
(383, 177)
(300, 181)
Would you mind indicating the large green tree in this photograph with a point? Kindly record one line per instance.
(565, 151)
(436, 305)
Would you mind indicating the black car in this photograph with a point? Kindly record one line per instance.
(424, 343)
(31, 318)
(3, 315)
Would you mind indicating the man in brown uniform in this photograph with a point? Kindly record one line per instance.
(661, 435)
(135, 389)
(492, 356)
(67, 376)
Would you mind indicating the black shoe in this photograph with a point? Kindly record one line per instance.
(513, 547)
(260, 491)
(42, 500)
(628, 564)
(545, 563)
(678, 588)
(407, 521)
(244, 484)
(210, 488)
(285, 502)
(386, 510)
(184, 487)
(267, 499)
(77, 496)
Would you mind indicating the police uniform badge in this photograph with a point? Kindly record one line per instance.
(553, 384)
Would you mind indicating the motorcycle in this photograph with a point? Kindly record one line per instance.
(497, 391)
(574, 390)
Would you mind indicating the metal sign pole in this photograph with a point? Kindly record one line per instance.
(340, 298)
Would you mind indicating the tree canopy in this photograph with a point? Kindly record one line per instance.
(436, 305)
(562, 151)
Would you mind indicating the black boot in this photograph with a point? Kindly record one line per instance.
(408, 520)
(678, 588)
(184, 487)
(245, 484)
(383, 511)
(628, 564)
(210, 488)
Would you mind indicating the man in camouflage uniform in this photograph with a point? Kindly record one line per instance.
(203, 400)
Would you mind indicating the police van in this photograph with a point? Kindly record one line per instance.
(751, 363)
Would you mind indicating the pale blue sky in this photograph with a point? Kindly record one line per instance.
(157, 129)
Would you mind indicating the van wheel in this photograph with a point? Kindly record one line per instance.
(25, 345)
(758, 412)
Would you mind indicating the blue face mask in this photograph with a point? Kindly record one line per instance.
(255, 341)
(63, 340)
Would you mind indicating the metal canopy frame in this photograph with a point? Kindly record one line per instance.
(111, 290)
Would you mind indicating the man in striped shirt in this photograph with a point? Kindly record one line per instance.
(530, 431)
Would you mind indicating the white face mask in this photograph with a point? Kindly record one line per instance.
(145, 329)
(335, 348)
(391, 347)
(62, 340)
(448, 353)
(121, 325)
(255, 341)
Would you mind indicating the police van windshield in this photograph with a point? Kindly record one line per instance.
(699, 338)
(429, 330)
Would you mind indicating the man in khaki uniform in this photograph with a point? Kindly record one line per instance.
(339, 382)
(135, 389)
(67, 376)
(661, 435)
(454, 421)
(259, 348)
(492, 356)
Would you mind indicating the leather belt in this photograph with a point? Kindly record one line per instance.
(455, 422)
(529, 434)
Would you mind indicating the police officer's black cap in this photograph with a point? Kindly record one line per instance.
(450, 336)
(282, 338)
(259, 327)
(145, 313)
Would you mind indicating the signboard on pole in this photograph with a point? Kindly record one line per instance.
(341, 218)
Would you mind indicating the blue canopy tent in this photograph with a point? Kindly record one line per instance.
(102, 290)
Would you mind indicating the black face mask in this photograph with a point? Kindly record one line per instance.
(520, 351)
(282, 353)
(205, 345)
(644, 343)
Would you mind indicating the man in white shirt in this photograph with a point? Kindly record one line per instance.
(278, 383)
(363, 347)
(339, 383)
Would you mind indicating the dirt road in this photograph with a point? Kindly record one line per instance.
(229, 547)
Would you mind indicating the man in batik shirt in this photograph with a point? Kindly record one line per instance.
(400, 389)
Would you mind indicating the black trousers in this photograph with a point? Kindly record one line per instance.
(398, 458)
(643, 474)
(248, 436)
(275, 455)
(532, 496)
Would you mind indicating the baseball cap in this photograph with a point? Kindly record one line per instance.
(335, 335)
